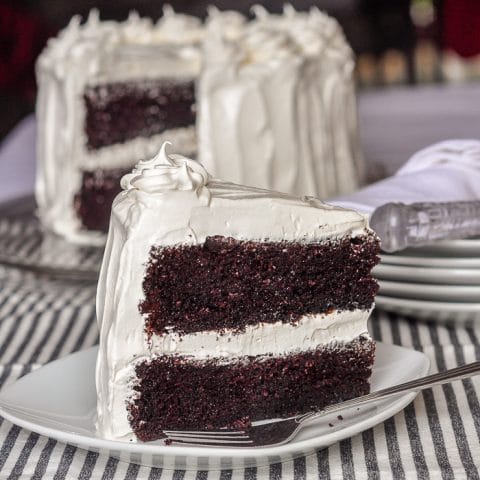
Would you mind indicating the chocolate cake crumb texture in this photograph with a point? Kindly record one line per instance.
(117, 112)
(229, 284)
(178, 394)
(93, 202)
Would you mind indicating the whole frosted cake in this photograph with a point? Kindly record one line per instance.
(112, 92)
(220, 304)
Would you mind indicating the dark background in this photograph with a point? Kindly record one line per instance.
(383, 33)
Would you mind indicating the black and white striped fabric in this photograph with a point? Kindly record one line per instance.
(437, 436)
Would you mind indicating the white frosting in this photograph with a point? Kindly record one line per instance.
(280, 91)
(263, 339)
(163, 173)
(229, 23)
(94, 53)
(172, 200)
(120, 155)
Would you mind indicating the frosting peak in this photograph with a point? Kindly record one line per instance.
(266, 43)
(166, 172)
(270, 37)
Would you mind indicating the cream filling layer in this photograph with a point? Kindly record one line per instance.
(126, 154)
(262, 339)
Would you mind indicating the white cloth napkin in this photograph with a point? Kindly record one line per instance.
(447, 171)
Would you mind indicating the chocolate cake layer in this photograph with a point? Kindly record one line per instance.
(226, 283)
(117, 112)
(178, 393)
(93, 202)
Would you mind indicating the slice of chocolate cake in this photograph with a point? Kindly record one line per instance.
(220, 304)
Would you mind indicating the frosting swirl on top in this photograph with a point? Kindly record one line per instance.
(178, 28)
(98, 37)
(272, 37)
(167, 172)
(265, 43)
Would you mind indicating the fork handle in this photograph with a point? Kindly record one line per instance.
(458, 373)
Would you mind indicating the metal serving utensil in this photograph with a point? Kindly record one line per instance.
(400, 226)
(278, 432)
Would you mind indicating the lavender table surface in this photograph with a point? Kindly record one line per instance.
(437, 436)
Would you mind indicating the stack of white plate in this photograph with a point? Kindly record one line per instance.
(440, 281)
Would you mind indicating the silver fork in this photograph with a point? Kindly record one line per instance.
(280, 431)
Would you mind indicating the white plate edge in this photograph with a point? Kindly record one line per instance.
(436, 262)
(452, 307)
(412, 270)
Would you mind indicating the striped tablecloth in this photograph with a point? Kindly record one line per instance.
(437, 436)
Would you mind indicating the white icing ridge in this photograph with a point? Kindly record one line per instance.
(172, 200)
(280, 90)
